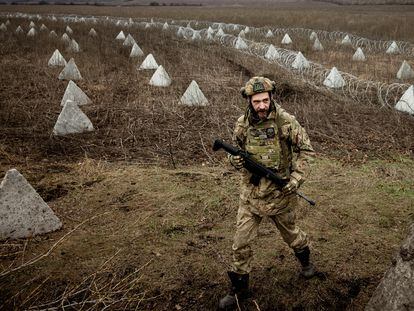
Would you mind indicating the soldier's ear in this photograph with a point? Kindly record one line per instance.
(243, 92)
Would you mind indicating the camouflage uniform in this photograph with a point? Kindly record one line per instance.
(279, 143)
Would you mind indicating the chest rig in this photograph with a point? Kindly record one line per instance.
(263, 143)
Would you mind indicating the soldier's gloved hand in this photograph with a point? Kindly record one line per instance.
(291, 186)
(237, 161)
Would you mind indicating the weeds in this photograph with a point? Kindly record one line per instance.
(167, 242)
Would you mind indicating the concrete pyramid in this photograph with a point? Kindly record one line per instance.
(23, 212)
(120, 36)
(148, 63)
(56, 59)
(75, 94)
(73, 46)
(317, 45)
(65, 38)
(165, 26)
(196, 36)
(359, 56)
(53, 34)
(70, 72)
(269, 34)
(242, 34)
(272, 53)
(346, 40)
(300, 62)
(43, 27)
(8, 22)
(334, 80)
(69, 30)
(3, 27)
(286, 39)
(32, 25)
(193, 96)
(247, 29)
(210, 30)
(187, 32)
(240, 44)
(72, 120)
(19, 30)
(160, 78)
(147, 25)
(313, 36)
(209, 37)
(129, 41)
(136, 51)
(93, 33)
(406, 102)
(405, 71)
(54, 18)
(180, 32)
(393, 48)
(220, 33)
(32, 32)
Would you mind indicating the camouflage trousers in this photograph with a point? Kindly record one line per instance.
(249, 217)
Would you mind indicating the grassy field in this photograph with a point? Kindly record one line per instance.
(161, 237)
(148, 209)
(395, 23)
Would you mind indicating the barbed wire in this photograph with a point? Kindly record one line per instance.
(357, 89)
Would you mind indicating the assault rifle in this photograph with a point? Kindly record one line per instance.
(255, 168)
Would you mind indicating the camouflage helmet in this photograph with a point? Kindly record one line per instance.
(258, 85)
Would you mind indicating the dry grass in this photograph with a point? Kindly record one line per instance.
(135, 121)
(166, 240)
(396, 22)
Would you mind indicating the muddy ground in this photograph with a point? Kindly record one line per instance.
(148, 209)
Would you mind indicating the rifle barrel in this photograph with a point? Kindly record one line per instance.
(256, 168)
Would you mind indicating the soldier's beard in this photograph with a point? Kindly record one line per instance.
(263, 113)
(259, 115)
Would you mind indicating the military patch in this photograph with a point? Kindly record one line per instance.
(270, 132)
(262, 136)
(258, 87)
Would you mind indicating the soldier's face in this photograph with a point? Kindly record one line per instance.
(261, 104)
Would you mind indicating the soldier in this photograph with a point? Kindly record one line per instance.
(275, 139)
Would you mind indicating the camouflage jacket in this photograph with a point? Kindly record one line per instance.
(279, 143)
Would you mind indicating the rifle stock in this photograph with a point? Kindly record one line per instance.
(255, 168)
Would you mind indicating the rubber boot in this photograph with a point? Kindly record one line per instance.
(308, 269)
(239, 287)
